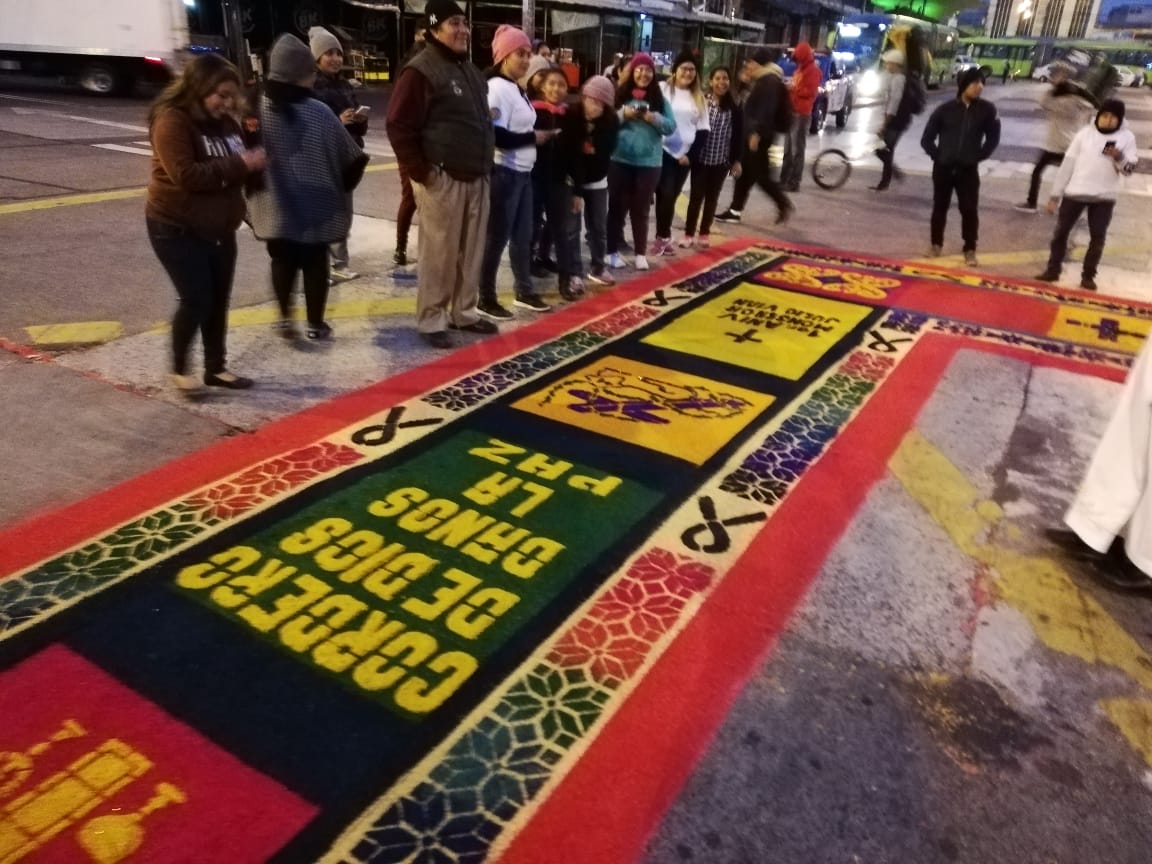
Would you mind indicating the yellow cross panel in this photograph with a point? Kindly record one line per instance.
(779, 332)
(1099, 329)
(683, 415)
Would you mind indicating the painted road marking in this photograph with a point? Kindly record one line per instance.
(100, 197)
(71, 334)
(80, 119)
(1063, 616)
(47, 335)
(71, 200)
(124, 148)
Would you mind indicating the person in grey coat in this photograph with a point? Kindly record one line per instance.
(303, 204)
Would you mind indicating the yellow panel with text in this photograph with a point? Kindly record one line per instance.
(1099, 329)
(767, 329)
(683, 415)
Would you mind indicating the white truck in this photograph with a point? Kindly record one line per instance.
(106, 46)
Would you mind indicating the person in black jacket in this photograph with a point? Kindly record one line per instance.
(760, 112)
(583, 152)
(335, 91)
(960, 135)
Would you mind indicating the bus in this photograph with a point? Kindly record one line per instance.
(1022, 55)
(864, 37)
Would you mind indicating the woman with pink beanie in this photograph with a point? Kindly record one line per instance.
(510, 217)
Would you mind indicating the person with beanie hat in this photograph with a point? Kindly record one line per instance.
(305, 203)
(441, 131)
(960, 134)
(584, 149)
(335, 91)
(1089, 179)
(532, 78)
(511, 201)
(685, 96)
(634, 172)
(805, 87)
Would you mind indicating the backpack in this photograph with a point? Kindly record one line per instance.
(914, 99)
(782, 122)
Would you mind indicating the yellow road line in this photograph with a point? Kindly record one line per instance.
(72, 334)
(1065, 618)
(34, 204)
(70, 200)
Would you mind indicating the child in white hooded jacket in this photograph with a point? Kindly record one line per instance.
(1100, 154)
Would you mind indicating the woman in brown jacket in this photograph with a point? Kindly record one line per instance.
(195, 204)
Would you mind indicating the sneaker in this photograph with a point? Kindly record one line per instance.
(970, 258)
(286, 329)
(228, 380)
(566, 292)
(669, 248)
(728, 215)
(480, 325)
(935, 251)
(641, 263)
(532, 301)
(319, 332)
(400, 258)
(615, 261)
(1025, 207)
(578, 286)
(703, 241)
(658, 247)
(342, 274)
(1088, 283)
(601, 276)
(186, 385)
(1049, 276)
(687, 242)
(493, 311)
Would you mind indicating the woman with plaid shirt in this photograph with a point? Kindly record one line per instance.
(719, 157)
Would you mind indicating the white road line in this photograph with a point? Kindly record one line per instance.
(122, 148)
(80, 119)
(44, 101)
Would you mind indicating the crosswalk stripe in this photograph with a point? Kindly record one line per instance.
(124, 148)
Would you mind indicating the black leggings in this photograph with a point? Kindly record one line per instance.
(201, 270)
(707, 181)
(311, 259)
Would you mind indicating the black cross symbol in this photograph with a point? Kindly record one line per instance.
(746, 336)
(888, 346)
(374, 436)
(721, 541)
(659, 298)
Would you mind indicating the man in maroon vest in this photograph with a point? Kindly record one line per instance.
(441, 132)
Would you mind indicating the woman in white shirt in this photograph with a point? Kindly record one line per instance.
(684, 93)
(510, 214)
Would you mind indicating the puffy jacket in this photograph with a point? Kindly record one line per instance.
(805, 80)
(336, 92)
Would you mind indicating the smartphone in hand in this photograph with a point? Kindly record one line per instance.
(361, 113)
(1109, 148)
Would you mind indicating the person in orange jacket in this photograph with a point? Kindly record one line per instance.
(803, 87)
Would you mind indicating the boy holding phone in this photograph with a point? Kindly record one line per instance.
(335, 91)
(1099, 155)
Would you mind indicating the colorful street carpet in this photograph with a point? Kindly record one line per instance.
(443, 618)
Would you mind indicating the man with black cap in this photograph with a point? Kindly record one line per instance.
(1089, 179)
(960, 134)
(763, 111)
(442, 134)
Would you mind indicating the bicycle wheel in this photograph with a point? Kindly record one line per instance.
(831, 169)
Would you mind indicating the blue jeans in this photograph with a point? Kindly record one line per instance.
(509, 224)
(201, 271)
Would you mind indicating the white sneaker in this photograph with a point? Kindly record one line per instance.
(641, 263)
(342, 274)
(615, 261)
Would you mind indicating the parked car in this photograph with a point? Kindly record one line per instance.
(837, 89)
(1131, 76)
(961, 62)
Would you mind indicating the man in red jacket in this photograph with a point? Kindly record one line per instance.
(804, 86)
